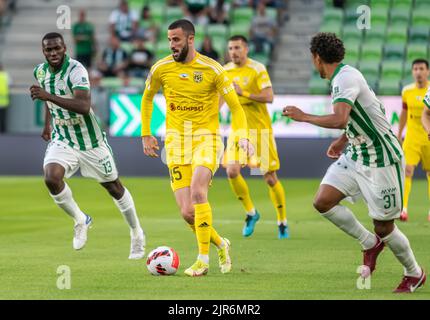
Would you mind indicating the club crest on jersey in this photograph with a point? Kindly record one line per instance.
(61, 85)
(41, 74)
(198, 76)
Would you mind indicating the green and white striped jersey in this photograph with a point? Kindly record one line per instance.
(371, 141)
(79, 131)
(427, 99)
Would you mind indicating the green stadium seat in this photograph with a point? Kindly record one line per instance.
(376, 34)
(407, 80)
(404, 5)
(262, 58)
(351, 33)
(318, 85)
(369, 68)
(372, 81)
(416, 51)
(380, 4)
(389, 87)
(173, 13)
(352, 57)
(399, 16)
(351, 15)
(335, 27)
(352, 45)
(422, 5)
(163, 49)
(379, 16)
(392, 70)
(420, 18)
(218, 30)
(371, 52)
(158, 10)
(355, 3)
(332, 15)
(240, 29)
(243, 14)
(419, 34)
(397, 35)
(394, 51)
(200, 32)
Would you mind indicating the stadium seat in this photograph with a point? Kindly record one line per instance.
(371, 52)
(404, 5)
(370, 69)
(355, 3)
(422, 5)
(217, 30)
(380, 4)
(334, 27)
(243, 14)
(419, 34)
(163, 49)
(158, 10)
(318, 85)
(416, 51)
(397, 35)
(406, 81)
(394, 51)
(376, 34)
(390, 87)
(352, 45)
(351, 33)
(420, 18)
(399, 17)
(351, 16)
(392, 70)
(240, 29)
(379, 16)
(372, 81)
(173, 13)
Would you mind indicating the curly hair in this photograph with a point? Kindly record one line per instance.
(328, 46)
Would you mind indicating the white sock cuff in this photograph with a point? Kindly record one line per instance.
(126, 202)
(332, 211)
(64, 194)
(393, 233)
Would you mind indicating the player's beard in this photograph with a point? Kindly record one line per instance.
(183, 54)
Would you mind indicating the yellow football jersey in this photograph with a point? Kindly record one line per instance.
(413, 97)
(192, 94)
(252, 77)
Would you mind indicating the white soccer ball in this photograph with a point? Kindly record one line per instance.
(162, 261)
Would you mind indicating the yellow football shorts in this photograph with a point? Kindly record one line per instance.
(184, 154)
(266, 154)
(415, 152)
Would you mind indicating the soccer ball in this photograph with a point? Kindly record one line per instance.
(162, 261)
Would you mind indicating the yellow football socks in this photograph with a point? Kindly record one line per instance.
(277, 196)
(408, 187)
(240, 189)
(215, 238)
(203, 225)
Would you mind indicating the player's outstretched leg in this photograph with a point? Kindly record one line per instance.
(125, 204)
(327, 203)
(414, 276)
(240, 189)
(277, 195)
(63, 197)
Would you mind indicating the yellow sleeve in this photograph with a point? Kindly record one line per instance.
(152, 85)
(263, 80)
(226, 89)
(404, 96)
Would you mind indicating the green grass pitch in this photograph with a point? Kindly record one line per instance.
(317, 262)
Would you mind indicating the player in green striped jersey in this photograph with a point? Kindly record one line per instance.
(372, 165)
(77, 141)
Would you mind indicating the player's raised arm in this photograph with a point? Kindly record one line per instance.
(149, 143)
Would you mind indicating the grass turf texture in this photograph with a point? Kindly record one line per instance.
(317, 262)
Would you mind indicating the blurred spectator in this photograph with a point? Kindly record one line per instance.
(208, 50)
(219, 11)
(124, 22)
(4, 98)
(147, 27)
(85, 42)
(263, 29)
(114, 60)
(196, 11)
(140, 60)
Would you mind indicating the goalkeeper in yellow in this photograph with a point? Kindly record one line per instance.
(253, 85)
(192, 84)
(416, 145)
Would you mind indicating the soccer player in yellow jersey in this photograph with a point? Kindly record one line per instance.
(252, 84)
(191, 85)
(416, 145)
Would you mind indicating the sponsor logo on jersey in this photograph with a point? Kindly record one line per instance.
(61, 85)
(198, 76)
(68, 122)
(174, 107)
(183, 76)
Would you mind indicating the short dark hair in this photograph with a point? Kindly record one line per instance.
(52, 35)
(185, 25)
(420, 60)
(328, 46)
(238, 37)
